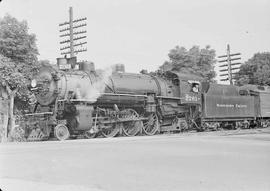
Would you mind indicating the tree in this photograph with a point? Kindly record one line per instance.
(18, 45)
(18, 59)
(12, 81)
(255, 71)
(193, 61)
(15, 41)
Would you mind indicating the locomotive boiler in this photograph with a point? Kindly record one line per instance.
(85, 101)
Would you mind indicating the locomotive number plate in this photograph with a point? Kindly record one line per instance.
(191, 98)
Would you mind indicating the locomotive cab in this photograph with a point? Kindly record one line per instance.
(188, 86)
(185, 102)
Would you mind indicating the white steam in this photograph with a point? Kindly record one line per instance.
(98, 87)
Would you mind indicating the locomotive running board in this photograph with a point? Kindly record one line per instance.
(226, 119)
(43, 113)
(124, 120)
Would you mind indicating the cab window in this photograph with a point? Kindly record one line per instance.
(195, 87)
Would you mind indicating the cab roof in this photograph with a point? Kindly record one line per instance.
(183, 76)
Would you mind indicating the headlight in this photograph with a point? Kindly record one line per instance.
(33, 83)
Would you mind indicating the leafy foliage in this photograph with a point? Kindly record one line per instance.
(255, 71)
(193, 61)
(10, 74)
(18, 62)
(44, 63)
(17, 134)
(15, 41)
(18, 55)
(13, 80)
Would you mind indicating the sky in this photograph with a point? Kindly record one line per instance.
(140, 33)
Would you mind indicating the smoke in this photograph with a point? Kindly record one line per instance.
(98, 87)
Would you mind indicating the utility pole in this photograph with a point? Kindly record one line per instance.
(229, 65)
(72, 34)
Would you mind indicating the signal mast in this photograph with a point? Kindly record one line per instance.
(74, 40)
(227, 68)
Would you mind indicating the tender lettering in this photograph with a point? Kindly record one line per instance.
(240, 106)
(224, 105)
(231, 105)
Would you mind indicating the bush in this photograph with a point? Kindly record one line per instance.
(17, 134)
(1, 134)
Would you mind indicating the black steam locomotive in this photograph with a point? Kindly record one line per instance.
(84, 101)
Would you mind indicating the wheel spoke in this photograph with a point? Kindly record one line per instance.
(110, 130)
(89, 135)
(132, 127)
(151, 126)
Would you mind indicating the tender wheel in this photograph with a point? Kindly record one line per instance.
(61, 132)
(151, 126)
(110, 130)
(246, 125)
(131, 128)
